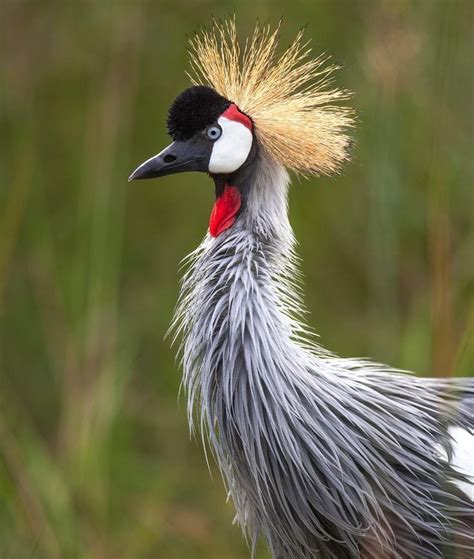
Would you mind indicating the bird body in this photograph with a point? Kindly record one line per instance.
(323, 456)
(318, 452)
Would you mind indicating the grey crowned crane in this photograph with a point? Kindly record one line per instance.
(322, 456)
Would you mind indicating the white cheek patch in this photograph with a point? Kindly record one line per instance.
(231, 150)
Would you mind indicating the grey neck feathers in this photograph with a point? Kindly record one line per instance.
(322, 456)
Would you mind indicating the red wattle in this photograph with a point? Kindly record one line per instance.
(225, 210)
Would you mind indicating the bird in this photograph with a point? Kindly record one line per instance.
(322, 456)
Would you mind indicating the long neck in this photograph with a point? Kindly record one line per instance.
(263, 187)
(238, 302)
(265, 212)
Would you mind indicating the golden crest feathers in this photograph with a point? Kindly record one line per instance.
(289, 96)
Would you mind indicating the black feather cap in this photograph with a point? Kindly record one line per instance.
(194, 109)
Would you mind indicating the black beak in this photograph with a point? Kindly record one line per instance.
(190, 155)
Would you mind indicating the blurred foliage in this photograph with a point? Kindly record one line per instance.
(95, 455)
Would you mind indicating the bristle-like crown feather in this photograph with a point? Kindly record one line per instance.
(288, 96)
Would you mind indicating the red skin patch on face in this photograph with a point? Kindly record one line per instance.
(233, 113)
(225, 210)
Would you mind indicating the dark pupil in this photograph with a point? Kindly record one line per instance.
(213, 132)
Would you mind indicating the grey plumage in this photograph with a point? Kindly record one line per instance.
(323, 456)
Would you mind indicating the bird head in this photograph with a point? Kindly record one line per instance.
(210, 134)
(249, 103)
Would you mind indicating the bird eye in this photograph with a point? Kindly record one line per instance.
(213, 132)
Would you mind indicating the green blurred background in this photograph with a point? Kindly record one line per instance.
(95, 456)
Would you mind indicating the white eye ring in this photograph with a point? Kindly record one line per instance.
(214, 133)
